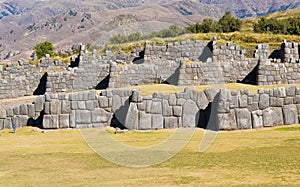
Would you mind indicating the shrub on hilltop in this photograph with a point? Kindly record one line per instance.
(46, 47)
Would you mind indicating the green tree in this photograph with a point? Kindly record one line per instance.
(278, 26)
(208, 25)
(44, 48)
(228, 23)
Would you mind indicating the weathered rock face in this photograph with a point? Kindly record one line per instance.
(3, 114)
(243, 118)
(170, 122)
(272, 116)
(144, 121)
(132, 118)
(227, 121)
(50, 122)
(264, 101)
(157, 121)
(100, 117)
(189, 114)
(257, 119)
(290, 114)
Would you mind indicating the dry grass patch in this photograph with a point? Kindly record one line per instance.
(149, 89)
(268, 157)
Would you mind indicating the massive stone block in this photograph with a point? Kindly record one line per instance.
(3, 114)
(172, 100)
(257, 119)
(90, 105)
(264, 101)
(50, 122)
(272, 116)
(144, 121)
(190, 114)
(177, 111)
(243, 101)
(16, 110)
(23, 109)
(39, 103)
(227, 121)
(166, 109)
(234, 102)
(64, 121)
(55, 107)
(291, 91)
(83, 117)
(132, 118)
(202, 101)
(156, 107)
(31, 111)
(170, 122)
(243, 118)
(281, 92)
(99, 115)
(116, 102)
(103, 101)
(224, 101)
(180, 101)
(142, 106)
(81, 105)
(290, 114)
(7, 123)
(9, 112)
(92, 95)
(72, 119)
(276, 102)
(157, 121)
(210, 94)
(288, 100)
(65, 107)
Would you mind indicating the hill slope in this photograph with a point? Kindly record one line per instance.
(68, 22)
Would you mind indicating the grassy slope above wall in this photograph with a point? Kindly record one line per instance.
(246, 37)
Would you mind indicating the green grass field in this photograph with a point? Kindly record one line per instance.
(267, 157)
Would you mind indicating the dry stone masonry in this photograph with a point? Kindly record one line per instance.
(215, 109)
(178, 63)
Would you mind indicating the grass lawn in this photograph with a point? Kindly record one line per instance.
(265, 157)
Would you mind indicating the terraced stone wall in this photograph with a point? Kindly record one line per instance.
(212, 109)
(19, 80)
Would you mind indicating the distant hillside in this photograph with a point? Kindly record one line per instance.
(68, 22)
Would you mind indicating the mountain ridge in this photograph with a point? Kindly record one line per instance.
(66, 22)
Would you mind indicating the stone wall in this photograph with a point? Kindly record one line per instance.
(198, 51)
(227, 52)
(208, 64)
(23, 115)
(290, 52)
(262, 51)
(271, 73)
(215, 72)
(267, 108)
(174, 51)
(212, 109)
(19, 80)
(85, 77)
(139, 74)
